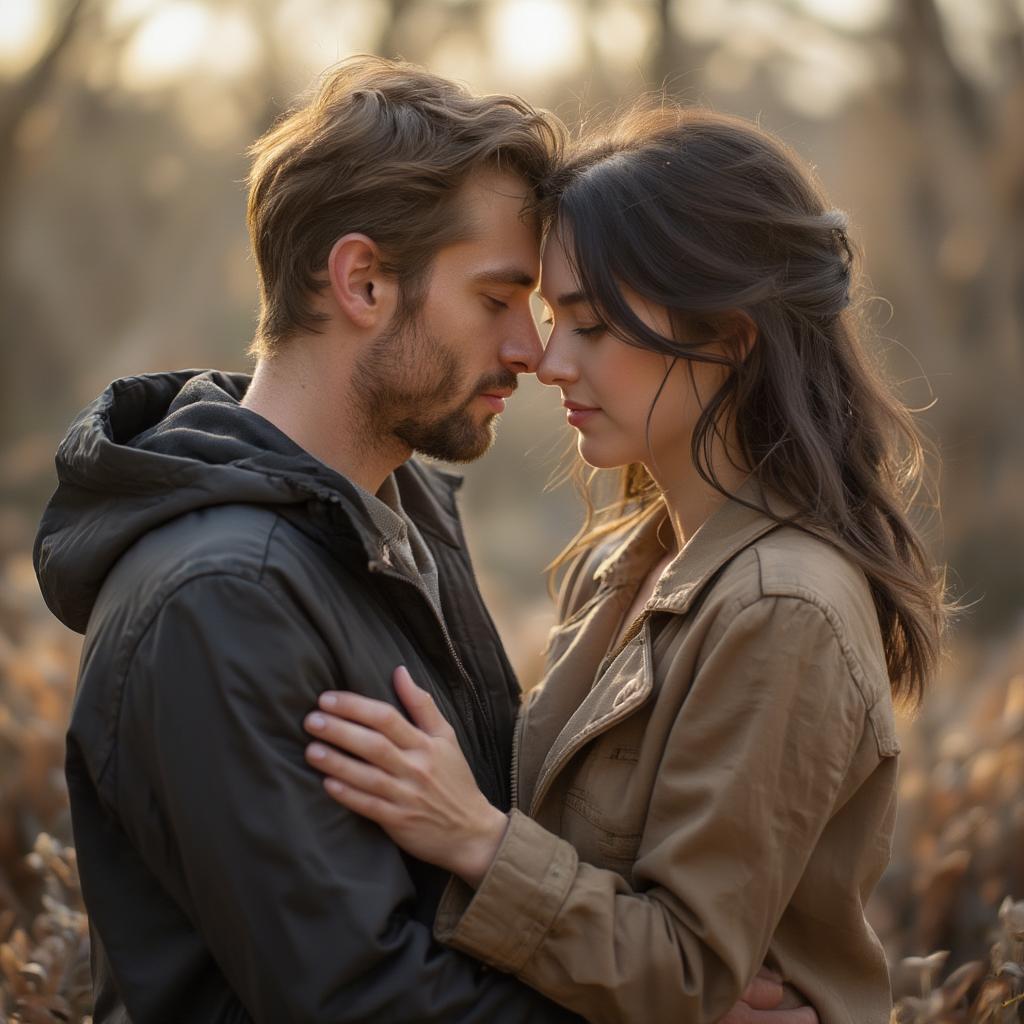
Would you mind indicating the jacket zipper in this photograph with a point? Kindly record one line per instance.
(517, 734)
(623, 711)
(627, 638)
(489, 742)
(490, 748)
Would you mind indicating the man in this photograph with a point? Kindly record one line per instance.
(233, 548)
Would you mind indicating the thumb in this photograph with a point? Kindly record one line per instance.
(419, 704)
(763, 993)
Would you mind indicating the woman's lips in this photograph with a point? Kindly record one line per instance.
(578, 414)
(577, 417)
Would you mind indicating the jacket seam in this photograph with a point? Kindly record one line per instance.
(828, 613)
(144, 632)
(831, 616)
(266, 547)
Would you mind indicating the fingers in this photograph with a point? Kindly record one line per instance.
(742, 1013)
(364, 804)
(805, 1015)
(764, 992)
(352, 738)
(351, 773)
(342, 705)
(420, 704)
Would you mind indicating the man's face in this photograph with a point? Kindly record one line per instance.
(436, 380)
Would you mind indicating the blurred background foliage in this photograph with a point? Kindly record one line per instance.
(123, 129)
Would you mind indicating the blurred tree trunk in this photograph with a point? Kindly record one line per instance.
(676, 63)
(25, 94)
(965, 222)
(390, 44)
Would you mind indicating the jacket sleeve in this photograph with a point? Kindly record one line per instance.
(753, 768)
(305, 907)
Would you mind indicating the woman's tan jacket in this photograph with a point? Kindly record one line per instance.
(717, 793)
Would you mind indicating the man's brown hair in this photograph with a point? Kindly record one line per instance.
(381, 148)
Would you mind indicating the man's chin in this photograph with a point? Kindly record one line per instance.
(460, 442)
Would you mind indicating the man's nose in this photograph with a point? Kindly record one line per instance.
(521, 350)
(557, 366)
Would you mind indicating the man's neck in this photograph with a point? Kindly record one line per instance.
(309, 401)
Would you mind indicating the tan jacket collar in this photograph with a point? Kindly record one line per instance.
(727, 531)
(625, 679)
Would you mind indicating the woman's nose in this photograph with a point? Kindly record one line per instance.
(557, 365)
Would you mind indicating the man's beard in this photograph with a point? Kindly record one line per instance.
(402, 382)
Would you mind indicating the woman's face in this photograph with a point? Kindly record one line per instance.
(608, 386)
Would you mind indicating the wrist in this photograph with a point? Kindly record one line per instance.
(477, 852)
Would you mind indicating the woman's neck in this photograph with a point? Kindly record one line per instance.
(690, 500)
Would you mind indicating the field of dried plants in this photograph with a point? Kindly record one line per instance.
(950, 910)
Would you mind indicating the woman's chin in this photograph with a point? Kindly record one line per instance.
(599, 456)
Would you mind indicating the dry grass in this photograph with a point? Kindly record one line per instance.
(957, 874)
(44, 937)
(958, 856)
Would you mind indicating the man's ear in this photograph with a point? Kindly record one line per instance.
(364, 294)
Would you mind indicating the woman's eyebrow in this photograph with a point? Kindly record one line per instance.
(568, 299)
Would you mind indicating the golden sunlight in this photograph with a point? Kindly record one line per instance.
(851, 15)
(535, 38)
(188, 36)
(22, 27)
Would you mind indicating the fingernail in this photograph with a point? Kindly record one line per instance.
(316, 721)
(328, 700)
(316, 752)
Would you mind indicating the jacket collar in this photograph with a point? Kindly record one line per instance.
(733, 526)
(625, 679)
(428, 496)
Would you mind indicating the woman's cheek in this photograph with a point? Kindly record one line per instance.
(607, 443)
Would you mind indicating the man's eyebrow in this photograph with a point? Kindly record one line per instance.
(507, 275)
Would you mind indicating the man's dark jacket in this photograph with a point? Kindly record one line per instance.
(224, 578)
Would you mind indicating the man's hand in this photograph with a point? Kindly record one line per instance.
(762, 1004)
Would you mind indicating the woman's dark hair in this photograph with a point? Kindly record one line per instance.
(717, 221)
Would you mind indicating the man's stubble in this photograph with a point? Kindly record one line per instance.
(408, 375)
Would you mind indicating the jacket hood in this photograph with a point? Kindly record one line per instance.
(155, 447)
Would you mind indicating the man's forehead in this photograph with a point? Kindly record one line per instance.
(487, 185)
(500, 207)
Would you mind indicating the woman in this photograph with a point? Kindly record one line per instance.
(706, 779)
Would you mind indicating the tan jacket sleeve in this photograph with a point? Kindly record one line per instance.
(753, 769)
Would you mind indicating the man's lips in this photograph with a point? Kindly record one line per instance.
(496, 399)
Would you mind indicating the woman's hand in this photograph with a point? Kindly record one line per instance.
(411, 779)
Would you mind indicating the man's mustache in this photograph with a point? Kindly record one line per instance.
(506, 380)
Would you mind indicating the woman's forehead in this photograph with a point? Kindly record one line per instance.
(559, 285)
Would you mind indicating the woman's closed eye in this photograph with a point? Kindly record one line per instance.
(584, 330)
